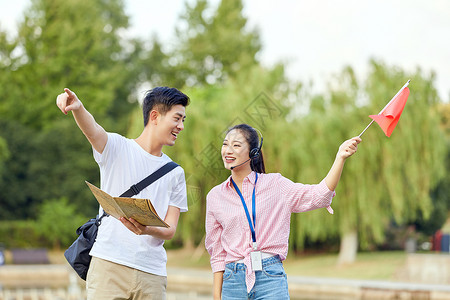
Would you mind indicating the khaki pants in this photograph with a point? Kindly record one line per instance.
(111, 281)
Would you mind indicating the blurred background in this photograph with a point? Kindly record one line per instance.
(306, 74)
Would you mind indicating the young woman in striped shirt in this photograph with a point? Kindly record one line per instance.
(248, 217)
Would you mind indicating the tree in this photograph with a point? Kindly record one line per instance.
(388, 178)
(66, 44)
(4, 153)
(76, 44)
(215, 45)
(158, 68)
(45, 164)
(440, 194)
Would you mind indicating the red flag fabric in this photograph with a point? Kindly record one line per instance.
(389, 117)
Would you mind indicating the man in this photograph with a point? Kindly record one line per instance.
(128, 259)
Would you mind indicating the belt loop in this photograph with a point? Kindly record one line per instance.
(235, 267)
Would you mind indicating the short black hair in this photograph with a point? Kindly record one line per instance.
(162, 99)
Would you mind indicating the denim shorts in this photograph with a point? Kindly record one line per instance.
(270, 284)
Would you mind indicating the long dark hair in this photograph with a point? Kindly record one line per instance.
(252, 138)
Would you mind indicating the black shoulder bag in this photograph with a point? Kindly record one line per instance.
(78, 253)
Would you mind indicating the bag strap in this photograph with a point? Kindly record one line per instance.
(138, 187)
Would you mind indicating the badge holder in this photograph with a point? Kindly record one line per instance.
(256, 258)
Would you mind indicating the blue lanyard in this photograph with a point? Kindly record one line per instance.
(252, 227)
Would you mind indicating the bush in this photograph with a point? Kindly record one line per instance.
(21, 234)
(55, 227)
(58, 221)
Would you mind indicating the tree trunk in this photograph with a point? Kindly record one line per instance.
(349, 247)
(188, 244)
(199, 250)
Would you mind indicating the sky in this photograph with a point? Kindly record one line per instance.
(317, 38)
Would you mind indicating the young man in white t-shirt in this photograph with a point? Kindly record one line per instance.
(128, 259)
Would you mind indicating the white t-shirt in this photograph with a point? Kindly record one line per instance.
(122, 164)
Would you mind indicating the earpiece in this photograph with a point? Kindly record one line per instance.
(254, 153)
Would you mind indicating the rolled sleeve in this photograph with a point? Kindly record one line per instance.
(328, 195)
(306, 197)
(218, 266)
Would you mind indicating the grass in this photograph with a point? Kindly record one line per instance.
(188, 258)
(368, 265)
(384, 265)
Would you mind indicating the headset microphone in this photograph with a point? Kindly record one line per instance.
(239, 164)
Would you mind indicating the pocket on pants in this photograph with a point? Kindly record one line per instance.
(227, 274)
(274, 270)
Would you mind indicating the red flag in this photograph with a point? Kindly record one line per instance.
(388, 118)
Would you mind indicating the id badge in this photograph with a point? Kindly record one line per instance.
(256, 260)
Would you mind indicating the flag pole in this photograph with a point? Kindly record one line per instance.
(406, 84)
(365, 129)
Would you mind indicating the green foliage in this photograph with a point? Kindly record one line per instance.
(55, 227)
(72, 43)
(66, 43)
(388, 178)
(45, 164)
(158, 68)
(21, 234)
(78, 44)
(57, 220)
(16, 187)
(440, 195)
(4, 153)
(215, 44)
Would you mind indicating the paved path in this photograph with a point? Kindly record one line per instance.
(191, 284)
(200, 282)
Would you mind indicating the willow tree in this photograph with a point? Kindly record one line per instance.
(388, 178)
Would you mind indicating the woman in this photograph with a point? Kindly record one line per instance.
(248, 217)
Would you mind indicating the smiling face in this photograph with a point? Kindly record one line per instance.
(235, 150)
(171, 124)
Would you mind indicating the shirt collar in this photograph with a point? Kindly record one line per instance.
(250, 177)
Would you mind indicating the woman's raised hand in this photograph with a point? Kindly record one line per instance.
(349, 147)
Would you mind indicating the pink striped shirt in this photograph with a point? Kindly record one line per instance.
(228, 235)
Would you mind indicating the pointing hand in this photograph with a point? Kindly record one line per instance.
(68, 101)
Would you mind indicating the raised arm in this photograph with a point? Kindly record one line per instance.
(95, 134)
(347, 149)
